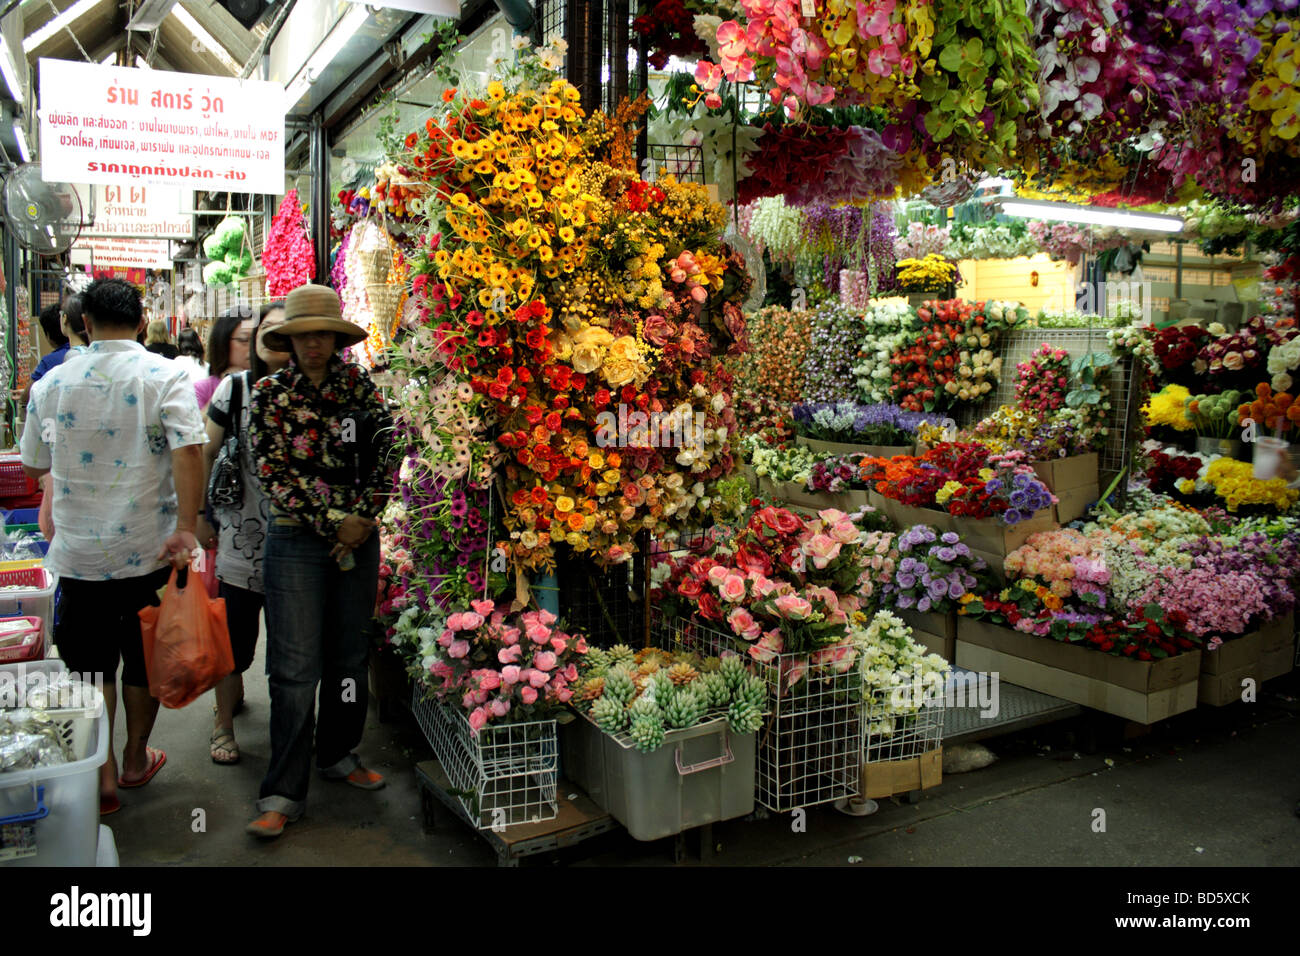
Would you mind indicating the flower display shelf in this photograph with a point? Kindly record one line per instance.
(797, 495)
(810, 746)
(901, 754)
(606, 604)
(699, 776)
(1074, 480)
(503, 776)
(988, 538)
(842, 448)
(1260, 655)
(1141, 691)
(938, 632)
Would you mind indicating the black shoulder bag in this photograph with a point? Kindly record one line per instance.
(226, 483)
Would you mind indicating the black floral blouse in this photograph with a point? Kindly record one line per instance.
(321, 453)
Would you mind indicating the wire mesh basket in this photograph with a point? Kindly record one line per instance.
(902, 722)
(504, 775)
(810, 746)
(605, 604)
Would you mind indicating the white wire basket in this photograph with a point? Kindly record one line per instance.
(504, 775)
(900, 726)
(810, 746)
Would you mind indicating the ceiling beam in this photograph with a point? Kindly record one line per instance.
(224, 28)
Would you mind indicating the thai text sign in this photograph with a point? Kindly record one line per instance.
(152, 212)
(122, 252)
(114, 126)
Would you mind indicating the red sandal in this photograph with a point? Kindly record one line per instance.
(156, 760)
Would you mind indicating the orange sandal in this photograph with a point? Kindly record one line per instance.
(156, 760)
(364, 779)
(267, 826)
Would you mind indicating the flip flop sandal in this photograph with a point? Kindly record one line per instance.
(262, 827)
(223, 740)
(109, 805)
(156, 760)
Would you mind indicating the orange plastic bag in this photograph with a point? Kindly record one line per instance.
(186, 642)
(208, 571)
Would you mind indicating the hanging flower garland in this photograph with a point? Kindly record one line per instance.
(288, 255)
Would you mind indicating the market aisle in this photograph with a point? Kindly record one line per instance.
(1226, 781)
(343, 827)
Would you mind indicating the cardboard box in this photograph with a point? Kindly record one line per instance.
(1221, 689)
(1276, 663)
(1142, 691)
(886, 778)
(1066, 474)
(1231, 656)
(1072, 504)
(844, 448)
(1277, 634)
(1259, 656)
(937, 632)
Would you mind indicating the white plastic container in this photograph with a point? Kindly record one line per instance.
(36, 600)
(55, 810)
(107, 852)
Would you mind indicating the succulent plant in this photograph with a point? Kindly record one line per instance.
(685, 708)
(596, 660)
(743, 717)
(620, 654)
(619, 687)
(591, 688)
(647, 732)
(644, 706)
(733, 671)
(752, 690)
(715, 690)
(682, 673)
(609, 715)
(663, 686)
(648, 667)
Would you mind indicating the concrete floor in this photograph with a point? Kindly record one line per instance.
(1213, 787)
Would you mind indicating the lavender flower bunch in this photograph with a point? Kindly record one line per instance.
(1274, 563)
(1023, 493)
(933, 570)
(835, 334)
(879, 424)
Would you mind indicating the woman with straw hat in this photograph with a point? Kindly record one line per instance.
(320, 439)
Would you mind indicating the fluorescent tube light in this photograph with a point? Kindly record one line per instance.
(329, 48)
(64, 19)
(10, 70)
(1090, 215)
(21, 135)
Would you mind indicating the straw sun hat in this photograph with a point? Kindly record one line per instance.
(313, 308)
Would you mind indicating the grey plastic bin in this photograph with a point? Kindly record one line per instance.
(703, 774)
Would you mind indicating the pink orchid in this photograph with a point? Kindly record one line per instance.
(708, 75)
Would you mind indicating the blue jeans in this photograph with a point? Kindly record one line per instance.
(317, 624)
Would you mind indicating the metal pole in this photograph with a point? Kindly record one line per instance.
(1178, 270)
(320, 197)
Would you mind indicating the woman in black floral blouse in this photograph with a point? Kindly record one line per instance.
(320, 437)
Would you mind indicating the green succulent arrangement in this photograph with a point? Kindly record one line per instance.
(230, 251)
(648, 693)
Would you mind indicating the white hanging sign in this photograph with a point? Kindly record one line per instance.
(122, 252)
(118, 126)
(148, 211)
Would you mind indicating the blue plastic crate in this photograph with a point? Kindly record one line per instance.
(22, 516)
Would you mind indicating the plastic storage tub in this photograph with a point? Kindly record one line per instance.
(22, 516)
(21, 639)
(34, 597)
(703, 774)
(54, 811)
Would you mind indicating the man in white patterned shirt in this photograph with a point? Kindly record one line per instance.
(119, 430)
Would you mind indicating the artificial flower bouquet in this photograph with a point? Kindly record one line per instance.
(496, 666)
(933, 571)
(950, 357)
(1214, 416)
(933, 273)
(1043, 381)
(963, 478)
(650, 693)
(1235, 483)
(885, 330)
(855, 424)
(891, 659)
(1274, 411)
(1175, 351)
(780, 462)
